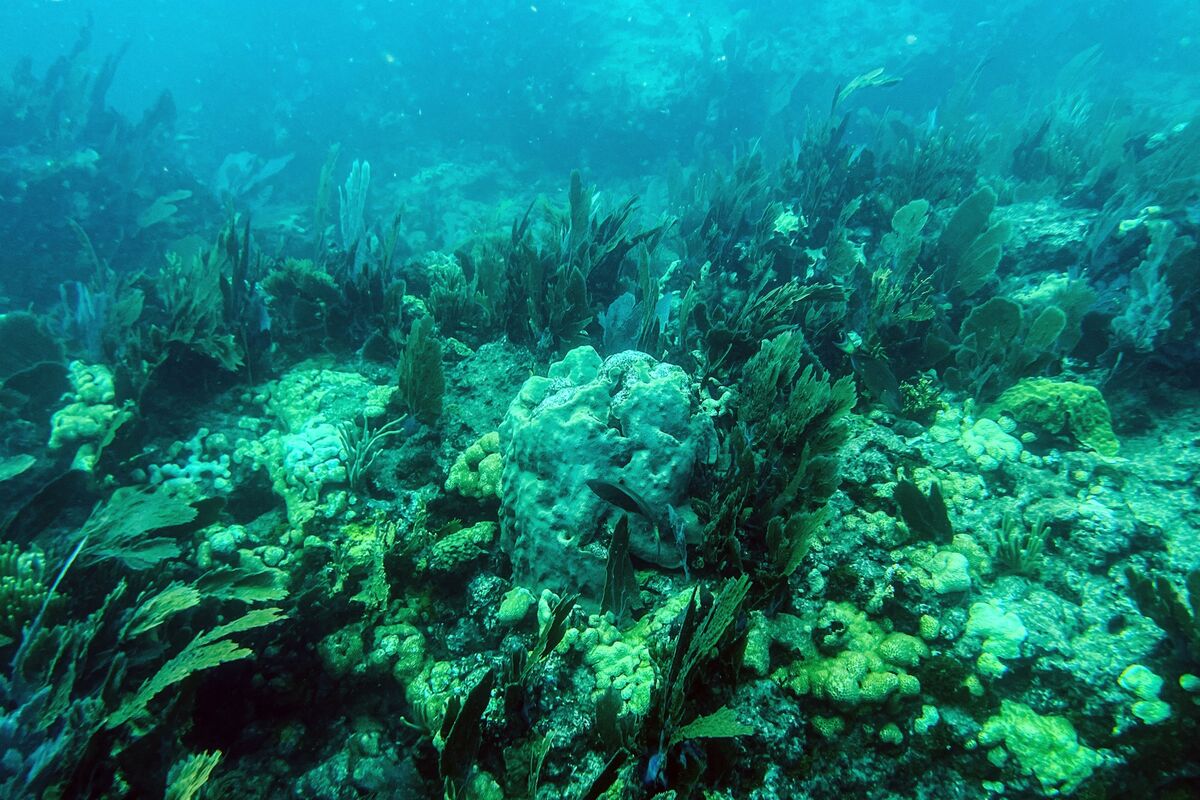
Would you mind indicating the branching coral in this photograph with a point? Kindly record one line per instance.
(23, 589)
(361, 446)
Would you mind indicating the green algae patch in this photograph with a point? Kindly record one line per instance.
(1061, 407)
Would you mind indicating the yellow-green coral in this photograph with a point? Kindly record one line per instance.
(342, 652)
(361, 557)
(621, 660)
(89, 421)
(622, 664)
(430, 690)
(1061, 407)
(1045, 747)
(515, 605)
(476, 471)
(23, 589)
(456, 549)
(400, 648)
(868, 664)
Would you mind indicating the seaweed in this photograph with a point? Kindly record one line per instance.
(849, 246)
(75, 678)
(188, 777)
(667, 759)
(462, 732)
(27, 343)
(117, 529)
(558, 273)
(1160, 600)
(209, 649)
(924, 514)
(970, 247)
(459, 304)
(420, 375)
(620, 595)
(1151, 300)
(999, 343)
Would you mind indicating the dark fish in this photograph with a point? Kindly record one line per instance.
(676, 524)
(631, 502)
(623, 498)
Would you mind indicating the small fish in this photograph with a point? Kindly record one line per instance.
(631, 502)
(676, 523)
(628, 501)
(623, 498)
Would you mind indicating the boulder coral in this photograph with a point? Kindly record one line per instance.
(627, 420)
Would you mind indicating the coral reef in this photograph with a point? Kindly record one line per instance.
(831, 432)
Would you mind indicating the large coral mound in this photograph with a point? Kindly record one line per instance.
(626, 420)
(1061, 407)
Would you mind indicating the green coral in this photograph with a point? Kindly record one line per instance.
(476, 471)
(1061, 407)
(124, 528)
(93, 416)
(1179, 615)
(462, 304)
(920, 397)
(868, 664)
(431, 691)
(454, 550)
(1045, 747)
(317, 390)
(23, 589)
(198, 291)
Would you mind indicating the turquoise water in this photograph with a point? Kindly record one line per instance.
(580, 400)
